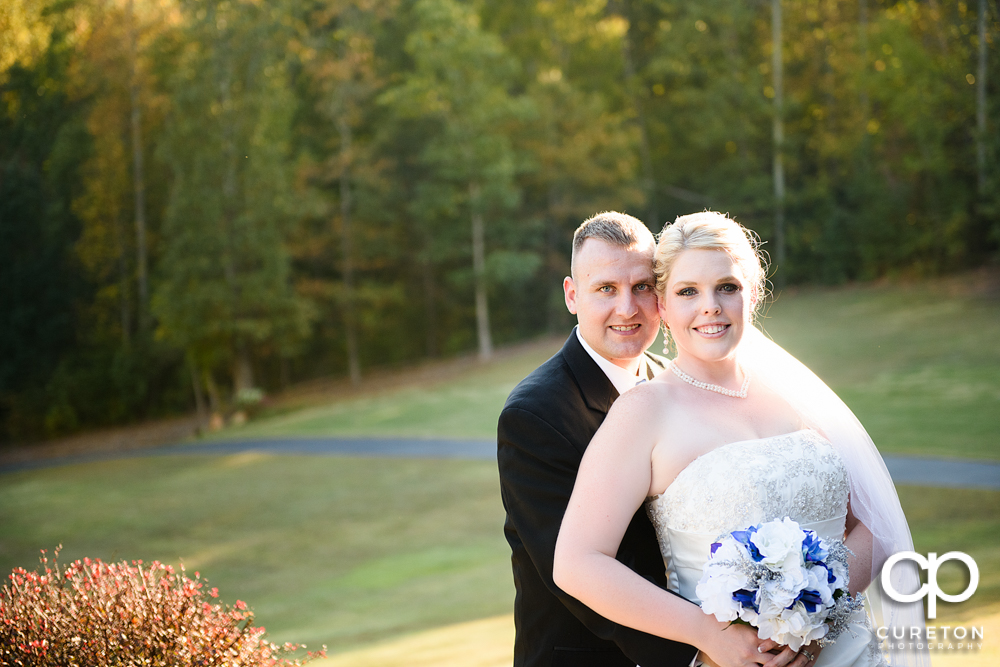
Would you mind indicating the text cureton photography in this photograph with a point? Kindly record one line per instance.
(944, 637)
(932, 638)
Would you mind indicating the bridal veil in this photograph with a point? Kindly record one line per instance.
(873, 497)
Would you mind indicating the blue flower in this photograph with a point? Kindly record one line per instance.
(830, 578)
(746, 598)
(812, 547)
(743, 537)
(810, 599)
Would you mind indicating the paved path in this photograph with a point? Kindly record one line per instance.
(952, 473)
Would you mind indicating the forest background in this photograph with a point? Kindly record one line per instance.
(205, 201)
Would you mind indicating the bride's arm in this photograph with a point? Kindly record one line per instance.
(613, 481)
(859, 562)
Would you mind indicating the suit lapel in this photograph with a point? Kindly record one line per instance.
(655, 361)
(598, 392)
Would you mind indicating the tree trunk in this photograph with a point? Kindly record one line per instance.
(199, 397)
(138, 178)
(730, 39)
(554, 264)
(479, 271)
(645, 153)
(242, 376)
(430, 302)
(981, 104)
(347, 252)
(938, 24)
(214, 400)
(285, 372)
(242, 369)
(123, 280)
(863, 49)
(778, 132)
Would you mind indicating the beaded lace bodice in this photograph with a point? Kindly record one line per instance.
(798, 475)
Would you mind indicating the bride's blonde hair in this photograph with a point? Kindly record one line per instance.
(709, 230)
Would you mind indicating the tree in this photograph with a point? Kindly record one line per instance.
(579, 148)
(224, 292)
(138, 170)
(460, 83)
(121, 92)
(777, 70)
(42, 142)
(342, 69)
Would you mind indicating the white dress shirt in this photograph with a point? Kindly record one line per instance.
(620, 378)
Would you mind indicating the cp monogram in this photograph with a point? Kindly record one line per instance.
(931, 588)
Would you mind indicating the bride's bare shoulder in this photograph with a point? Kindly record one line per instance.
(652, 402)
(634, 424)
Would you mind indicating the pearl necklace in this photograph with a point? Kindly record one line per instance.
(742, 393)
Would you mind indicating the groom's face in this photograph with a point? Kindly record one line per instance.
(611, 293)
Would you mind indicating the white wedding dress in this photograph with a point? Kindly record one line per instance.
(798, 475)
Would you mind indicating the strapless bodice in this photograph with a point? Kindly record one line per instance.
(797, 475)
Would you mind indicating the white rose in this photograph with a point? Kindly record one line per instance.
(717, 599)
(719, 582)
(782, 592)
(779, 543)
(817, 581)
(794, 627)
(750, 616)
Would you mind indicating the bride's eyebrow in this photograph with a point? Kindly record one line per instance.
(728, 279)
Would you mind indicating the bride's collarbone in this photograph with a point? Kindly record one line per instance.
(759, 415)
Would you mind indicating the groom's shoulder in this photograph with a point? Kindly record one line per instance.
(548, 385)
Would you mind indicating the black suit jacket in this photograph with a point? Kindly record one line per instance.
(546, 424)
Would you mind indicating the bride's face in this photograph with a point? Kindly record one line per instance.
(706, 304)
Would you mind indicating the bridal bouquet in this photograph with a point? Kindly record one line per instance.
(786, 581)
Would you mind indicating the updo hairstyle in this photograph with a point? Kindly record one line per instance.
(709, 230)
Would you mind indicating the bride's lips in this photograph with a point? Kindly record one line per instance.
(714, 330)
(625, 329)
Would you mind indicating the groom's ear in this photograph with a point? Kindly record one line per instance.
(660, 309)
(569, 291)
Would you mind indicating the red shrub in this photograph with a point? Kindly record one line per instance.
(91, 613)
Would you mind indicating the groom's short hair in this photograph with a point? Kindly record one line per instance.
(617, 229)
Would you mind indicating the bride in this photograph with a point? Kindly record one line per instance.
(737, 433)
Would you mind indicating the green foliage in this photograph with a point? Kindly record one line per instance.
(37, 231)
(224, 287)
(318, 168)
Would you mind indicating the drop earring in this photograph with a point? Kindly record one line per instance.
(668, 340)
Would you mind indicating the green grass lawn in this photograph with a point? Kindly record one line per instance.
(326, 550)
(347, 551)
(920, 365)
(465, 406)
(967, 520)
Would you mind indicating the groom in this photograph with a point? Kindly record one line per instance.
(544, 428)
